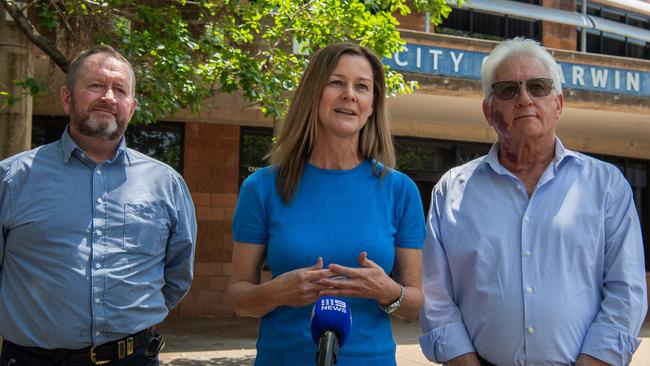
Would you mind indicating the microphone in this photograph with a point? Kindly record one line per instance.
(330, 325)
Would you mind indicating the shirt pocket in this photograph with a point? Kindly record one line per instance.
(145, 228)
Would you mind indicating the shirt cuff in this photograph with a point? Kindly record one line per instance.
(609, 344)
(445, 343)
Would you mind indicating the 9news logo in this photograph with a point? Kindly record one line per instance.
(333, 305)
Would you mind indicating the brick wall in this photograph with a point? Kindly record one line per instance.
(413, 21)
(557, 35)
(211, 171)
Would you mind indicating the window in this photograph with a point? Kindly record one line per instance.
(477, 24)
(613, 44)
(426, 160)
(163, 141)
(255, 143)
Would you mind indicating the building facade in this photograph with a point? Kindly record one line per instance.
(606, 83)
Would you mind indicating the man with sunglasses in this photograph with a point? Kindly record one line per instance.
(533, 253)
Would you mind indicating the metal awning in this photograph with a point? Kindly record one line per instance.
(536, 12)
(637, 6)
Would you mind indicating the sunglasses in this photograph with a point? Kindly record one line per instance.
(506, 90)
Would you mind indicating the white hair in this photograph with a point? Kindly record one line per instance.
(514, 47)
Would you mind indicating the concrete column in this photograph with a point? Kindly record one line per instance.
(16, 62)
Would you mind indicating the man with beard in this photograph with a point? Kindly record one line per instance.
(533, 253)
(97, 242)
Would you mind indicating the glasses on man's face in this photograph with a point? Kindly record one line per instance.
(538, 87)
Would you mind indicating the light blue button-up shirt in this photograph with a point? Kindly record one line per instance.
(90, 253)
(533, 281)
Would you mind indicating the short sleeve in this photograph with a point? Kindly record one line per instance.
(410, 229)
(250, 223)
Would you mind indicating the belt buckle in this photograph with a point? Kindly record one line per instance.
(129, 346)
(121, 349)
(94, 359)
(124, 348)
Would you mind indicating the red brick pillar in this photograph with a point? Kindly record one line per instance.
(211, 169)
(559, 35)
(413, 21)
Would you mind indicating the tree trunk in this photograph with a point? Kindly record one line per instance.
(16, 62)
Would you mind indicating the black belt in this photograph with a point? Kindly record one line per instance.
(97, 355)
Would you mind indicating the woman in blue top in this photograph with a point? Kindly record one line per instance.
(330, 217)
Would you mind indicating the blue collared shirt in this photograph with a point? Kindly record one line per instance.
(533, 281)
(89, 252)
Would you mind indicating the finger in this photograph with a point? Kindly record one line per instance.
(315, 288)
(316, 275)
(325, 272)
(343, 270)
(365, 262)
(337, 282)
(362, 256)
(310, 288)
(317, 265)
(312, 273)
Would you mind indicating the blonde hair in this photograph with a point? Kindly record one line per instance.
(296, 140)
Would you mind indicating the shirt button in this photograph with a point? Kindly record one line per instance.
(528, 253)
(98, 265)
(529, 290)
(97, 300)
(531, 330)
(98, 171)
(526, 218)
(98, 232)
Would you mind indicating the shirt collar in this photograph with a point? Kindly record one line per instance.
(561, 154)
(492, 159)
(69, 146)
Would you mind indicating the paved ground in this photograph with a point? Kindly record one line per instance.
(231, 342)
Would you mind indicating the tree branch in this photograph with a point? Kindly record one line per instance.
(286, 30)
(130, 16)
(33, 35)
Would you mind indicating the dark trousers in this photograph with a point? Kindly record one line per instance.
(15, 356)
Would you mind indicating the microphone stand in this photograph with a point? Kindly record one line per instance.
(328, 349)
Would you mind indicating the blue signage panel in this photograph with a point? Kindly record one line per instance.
(440, 61)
